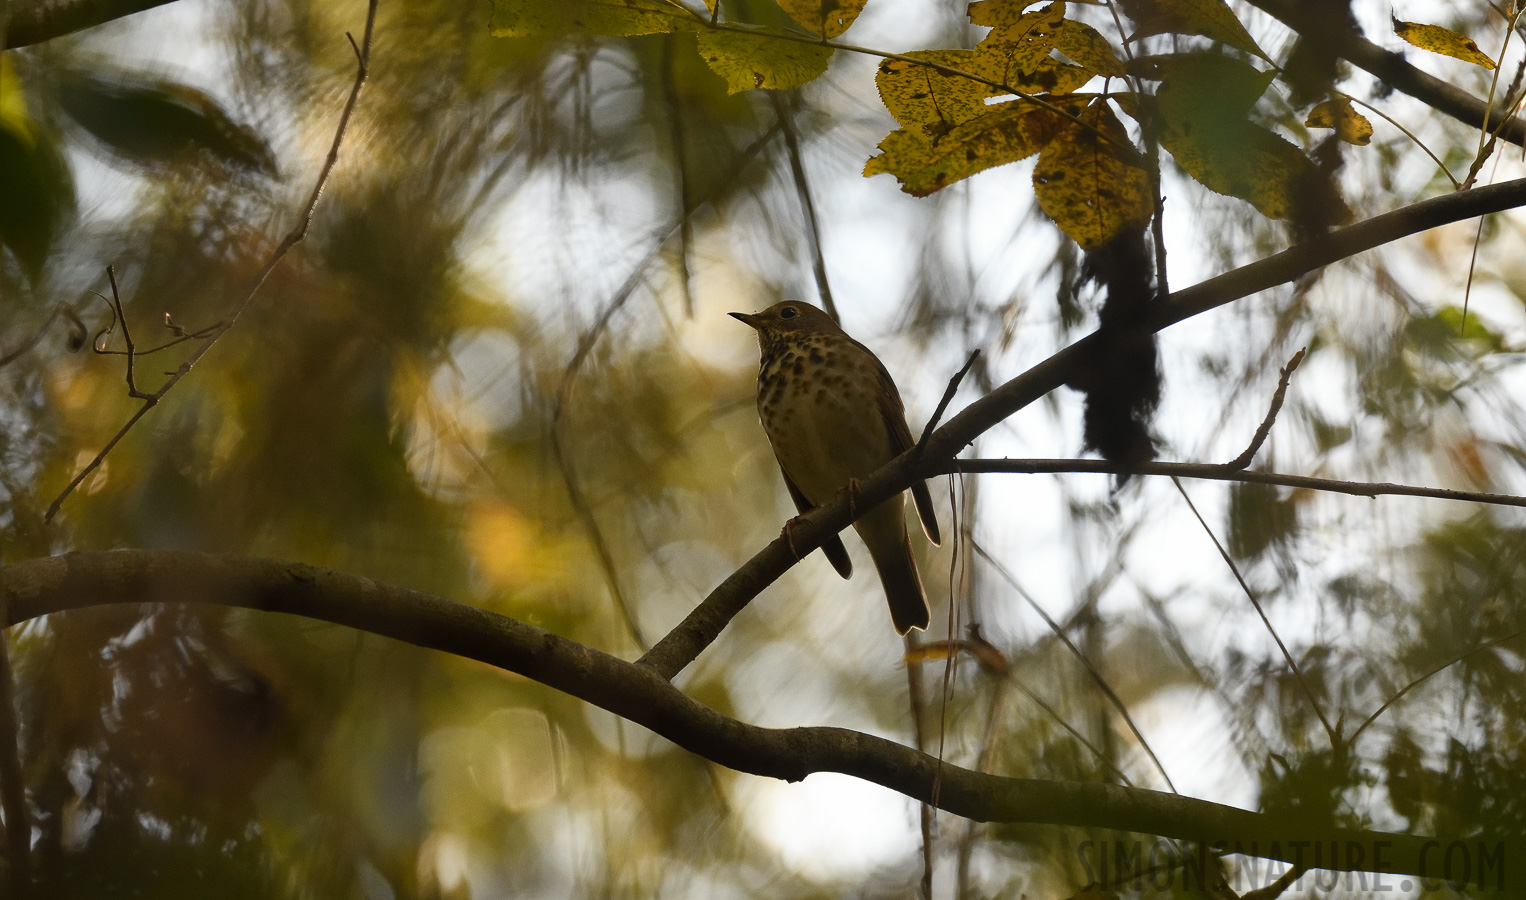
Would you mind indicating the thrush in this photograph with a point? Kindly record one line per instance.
(833, 416)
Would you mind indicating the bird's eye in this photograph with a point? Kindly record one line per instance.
(788, 312)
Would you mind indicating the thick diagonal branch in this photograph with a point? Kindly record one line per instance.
(39, 587)
(704, 624)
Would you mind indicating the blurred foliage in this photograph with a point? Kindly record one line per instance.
(387, 407)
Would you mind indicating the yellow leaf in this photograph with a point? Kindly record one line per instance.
(1084, 185)
(1338, 113)
(760, 59)
(921, 96)
(1442, 40)
(1049, 76)
(1086, 46)
(1209, 18)
(1005, 133)
(828, 18)
(612, 18)
(1022, 38)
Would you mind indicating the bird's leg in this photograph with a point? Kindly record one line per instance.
(784, 532)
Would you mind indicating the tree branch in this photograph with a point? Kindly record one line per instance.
(704, 624)
(1392, 69)
(35, 21)
(634, 692)
(1225, 472)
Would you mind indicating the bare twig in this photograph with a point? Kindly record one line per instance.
(945, 400)
(784, 112)
(1456, 185)
(1243, 460)
(1417, 681)
(1335, 738)
(1096, 676)
(678, 141)
(362, 71)
(1221, 472)
(1277, 888)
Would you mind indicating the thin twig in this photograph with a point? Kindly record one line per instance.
(1416, 682)
(945, 400)
(362, 71)
(916, 695)
(785, 114)
(1221, 472)
(1243, 460)
(680, 167)
(1101, 682)
(1335, 739)
(1456, 185)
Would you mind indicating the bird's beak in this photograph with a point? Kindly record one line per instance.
(751, 320)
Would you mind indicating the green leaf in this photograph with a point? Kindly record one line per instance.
(1086, 46)
(611, 18)
(1338, 113)
(1247, 161)
(1007, 132)
(923, 97)
(1202, 105)
(762, 59)
(34, 180)
(1210, 18)
(828, 18)
(1442, 40)
(1258, 519)
(157, 122)
(1469, 328)
(1085, 186)
(1206, 88)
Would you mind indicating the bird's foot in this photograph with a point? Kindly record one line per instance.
(852, 489)
(785, 533)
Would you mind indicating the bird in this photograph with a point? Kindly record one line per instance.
(833, 415)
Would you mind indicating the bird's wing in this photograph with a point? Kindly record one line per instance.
(894, 414)
(832, 547)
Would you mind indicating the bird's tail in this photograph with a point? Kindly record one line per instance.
(903, 586)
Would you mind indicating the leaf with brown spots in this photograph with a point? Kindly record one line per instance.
(1050, 76)
(1338, 113)
(1087, 47)
(1444, 41)
(828, 18)
(761, 59)
(612, 18)
(1005, 133)
(1085, 186)
(1021, 39)
(923, 97)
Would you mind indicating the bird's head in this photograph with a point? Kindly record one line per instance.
(791, 317)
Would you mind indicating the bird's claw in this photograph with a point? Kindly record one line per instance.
(852, 489)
